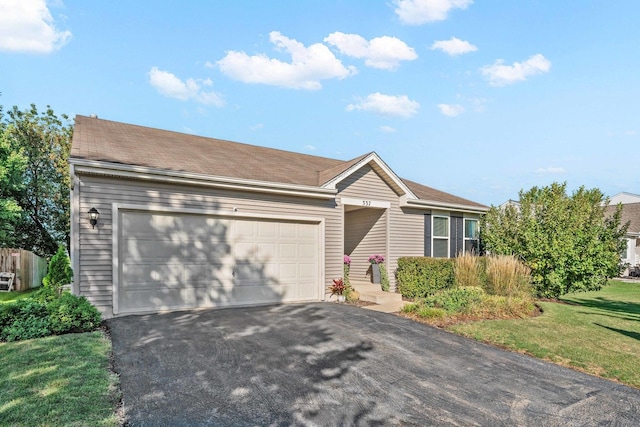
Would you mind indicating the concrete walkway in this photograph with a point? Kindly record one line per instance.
(386, 302)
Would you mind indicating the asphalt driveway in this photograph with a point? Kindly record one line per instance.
(331, 364)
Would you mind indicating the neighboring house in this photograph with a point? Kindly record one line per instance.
(630, 214)
(624, 198)
(186, 221)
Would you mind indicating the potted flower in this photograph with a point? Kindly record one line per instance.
(375, 261)
(338, 289)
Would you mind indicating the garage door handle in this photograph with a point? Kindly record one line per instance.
(233, 273)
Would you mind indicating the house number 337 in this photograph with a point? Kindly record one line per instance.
(366, 203)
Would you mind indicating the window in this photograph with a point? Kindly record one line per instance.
(471, 235)
(440, 237)
(624, 253)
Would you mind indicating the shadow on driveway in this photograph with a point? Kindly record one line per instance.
(331, 364)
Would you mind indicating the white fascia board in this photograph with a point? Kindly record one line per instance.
(433, 204)
(373, 157)
(190, 178)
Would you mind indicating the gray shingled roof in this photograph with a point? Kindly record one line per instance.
(104, 140)
(630, 214)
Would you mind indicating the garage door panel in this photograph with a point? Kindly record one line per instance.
(287, 251)
(307, 251)
(308, 231)
(166, 223)
(171, 261)
(139, 249)
(244, 230)
(267, 229)
(197, 273)
(288, 230)
(307, 271)
(265, 251)
(138, 223)
(288, 273)
(136, 274)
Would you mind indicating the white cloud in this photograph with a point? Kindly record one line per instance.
(451, 110)
(454, 46)
(551, 169)
(416, 12)
(387, 129)
(308, 65)
(499, 74)
(171, 86)
(631, 133)
(389, 105)
(381, 52)
(310, 147)
(27, 26)
(256, 127)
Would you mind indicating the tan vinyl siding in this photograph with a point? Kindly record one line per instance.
(95, 245)
(406, 235)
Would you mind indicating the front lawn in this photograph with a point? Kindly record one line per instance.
(595, 332)
(14, 295)
(58, 380)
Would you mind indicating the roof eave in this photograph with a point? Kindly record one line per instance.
(97, 167)
(434, 204)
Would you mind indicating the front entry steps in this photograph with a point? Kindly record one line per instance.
(386, 302)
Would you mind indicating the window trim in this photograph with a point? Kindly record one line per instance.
(467, 239)
(434, 237)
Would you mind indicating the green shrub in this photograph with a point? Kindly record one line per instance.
(59, 272)
(23, 319)
(419, 277)
(411, 307)
(28, 318)
(45, 294)
(345, 274)
(431, 312)
(71, 313)
(384, 278)
(456, 300)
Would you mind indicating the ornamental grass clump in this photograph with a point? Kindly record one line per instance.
(469, 270)
(507, 276)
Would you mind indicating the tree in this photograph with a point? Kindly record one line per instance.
(569, 242)
(11, 168)
(59, 272)
(42, 142)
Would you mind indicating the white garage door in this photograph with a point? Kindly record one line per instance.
(172, 261)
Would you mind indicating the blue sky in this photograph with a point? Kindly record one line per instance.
(477, 98)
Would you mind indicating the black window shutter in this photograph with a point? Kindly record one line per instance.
(456, 242)
(427, 234)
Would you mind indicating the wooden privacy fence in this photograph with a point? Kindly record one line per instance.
(28, 267)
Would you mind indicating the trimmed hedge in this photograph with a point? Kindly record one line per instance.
(419, 277)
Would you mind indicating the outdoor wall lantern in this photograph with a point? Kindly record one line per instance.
(93, 217)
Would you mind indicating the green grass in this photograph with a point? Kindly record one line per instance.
(14, 295)
(597, 332)
(58, 380)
